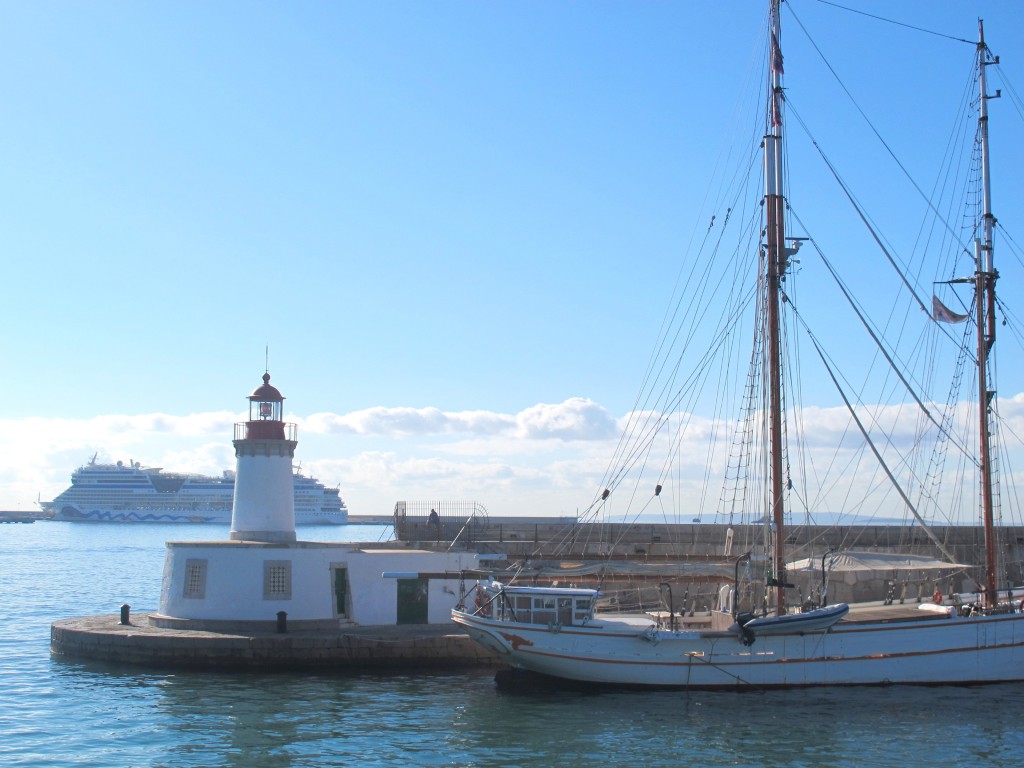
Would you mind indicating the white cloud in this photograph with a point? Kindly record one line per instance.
(577, 418)
(401, 422)
(546, 459)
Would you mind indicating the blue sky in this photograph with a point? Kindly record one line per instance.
(456, 225)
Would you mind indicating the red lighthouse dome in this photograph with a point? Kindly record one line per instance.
(266, 404)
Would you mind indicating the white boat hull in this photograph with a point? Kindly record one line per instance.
(927, 651)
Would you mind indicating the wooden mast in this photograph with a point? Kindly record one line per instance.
(775, 268)
(985, 290)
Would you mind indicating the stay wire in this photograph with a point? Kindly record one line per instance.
(864, 219)
(868, 327)
(893, 21)
(871, 125)
(871, 444)
(1011, 91)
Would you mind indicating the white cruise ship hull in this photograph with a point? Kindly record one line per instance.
(925, 651)
(74, 513)
(131, 493)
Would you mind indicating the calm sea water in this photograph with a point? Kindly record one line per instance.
(58, 713)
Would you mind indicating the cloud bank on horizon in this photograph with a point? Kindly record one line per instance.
(577, 418)
(373, 453)
(547, 459)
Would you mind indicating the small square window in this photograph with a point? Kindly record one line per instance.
(195, 579)
(277, 580)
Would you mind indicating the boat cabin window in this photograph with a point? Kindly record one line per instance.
(582, 611)
(545, 609)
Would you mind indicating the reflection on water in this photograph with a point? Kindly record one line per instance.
(463, 720)
(291, 720)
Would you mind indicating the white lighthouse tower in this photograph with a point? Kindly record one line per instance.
(264, 503)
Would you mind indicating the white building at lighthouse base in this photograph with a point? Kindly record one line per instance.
(225, 585)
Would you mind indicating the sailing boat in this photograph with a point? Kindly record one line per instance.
(555, 630)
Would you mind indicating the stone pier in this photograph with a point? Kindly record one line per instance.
(421, 646)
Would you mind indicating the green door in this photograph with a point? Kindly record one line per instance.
(341, 591)
(412, 601)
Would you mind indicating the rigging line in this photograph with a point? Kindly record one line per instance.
(1012, 327)
(942, 429)
(1013, 501)
(864, 219)
(892, 21)
(1004, 424)
(885, 467)
(558, 541)
(654, 370)
(654, 425)
(1010, 89)
(870, 330)
(679, 430)
(645, 456)
(956, 169)
(668, 323)
(627, 526)
(870, 125)
(752, 686)
(719, 429)
(1015, 249)
(515, 575)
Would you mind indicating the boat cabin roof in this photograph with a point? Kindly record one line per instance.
(551, 591)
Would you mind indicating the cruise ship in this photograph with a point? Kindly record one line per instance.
(131, 493)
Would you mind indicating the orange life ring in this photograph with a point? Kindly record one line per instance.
(937, 597)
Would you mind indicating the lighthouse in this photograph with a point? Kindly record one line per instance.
(263, 577)
(264, 502)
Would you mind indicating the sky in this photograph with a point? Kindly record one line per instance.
(450, 229)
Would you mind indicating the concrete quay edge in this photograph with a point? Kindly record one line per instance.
(420, 646)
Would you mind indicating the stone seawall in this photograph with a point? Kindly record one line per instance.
(541, 538)
(538, 540)
(103, 638)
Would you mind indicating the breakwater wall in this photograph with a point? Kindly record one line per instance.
(20, 517)
(536, 537)
(537, 540)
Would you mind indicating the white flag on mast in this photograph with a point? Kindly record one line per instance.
(943, 314)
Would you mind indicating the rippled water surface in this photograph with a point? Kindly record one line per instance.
(58, 713)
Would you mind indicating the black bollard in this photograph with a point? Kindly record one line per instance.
(126, 614)
(282, 621)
